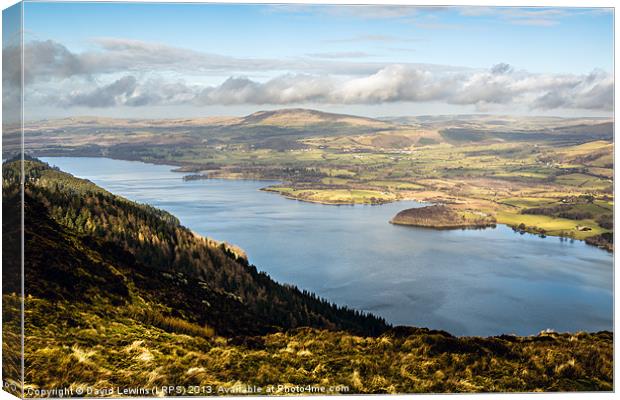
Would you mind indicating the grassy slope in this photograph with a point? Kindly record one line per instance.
(97, 345)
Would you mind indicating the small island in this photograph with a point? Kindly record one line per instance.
(443, 217)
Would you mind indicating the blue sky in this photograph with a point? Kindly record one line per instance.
(229, 59)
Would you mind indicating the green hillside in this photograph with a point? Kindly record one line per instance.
(197, 278)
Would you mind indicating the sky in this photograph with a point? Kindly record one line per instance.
(186, 60)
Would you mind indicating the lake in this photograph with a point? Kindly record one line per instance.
(467, 282)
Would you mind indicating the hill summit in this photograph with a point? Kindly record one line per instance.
(301, 117)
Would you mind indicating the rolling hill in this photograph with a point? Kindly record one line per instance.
(301, 118)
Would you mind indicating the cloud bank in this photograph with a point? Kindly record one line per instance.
(123, 73)
(394, 83)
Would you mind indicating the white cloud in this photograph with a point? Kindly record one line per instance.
(48, 60)
(134, 73)
(500, 85)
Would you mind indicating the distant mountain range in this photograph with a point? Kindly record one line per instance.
(287, 129)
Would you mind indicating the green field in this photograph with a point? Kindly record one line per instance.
(335, 196)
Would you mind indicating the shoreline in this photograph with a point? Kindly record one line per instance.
(228, 245)
(177, 165)
(440, 228)
(447, 227)
(459, 227)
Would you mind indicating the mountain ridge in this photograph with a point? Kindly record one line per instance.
(252, 118)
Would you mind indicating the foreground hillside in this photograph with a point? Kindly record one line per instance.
(77, 224)
(119, 295)
(100, 346)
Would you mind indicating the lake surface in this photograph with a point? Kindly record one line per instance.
(468, 282)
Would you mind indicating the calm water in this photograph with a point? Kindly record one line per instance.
(471, 282)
